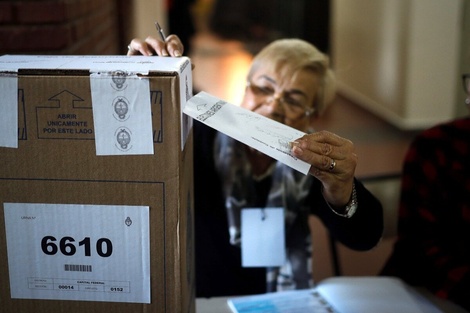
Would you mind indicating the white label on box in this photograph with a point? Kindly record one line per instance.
(9, 111)
(78, 252)
(121, 113)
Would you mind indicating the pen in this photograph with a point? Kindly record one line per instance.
(160, 31)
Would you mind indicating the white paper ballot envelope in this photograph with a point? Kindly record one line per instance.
(257, 131)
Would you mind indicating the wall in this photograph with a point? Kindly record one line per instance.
(59, 27)
(145, 14)
(462, 109)
(399, 59)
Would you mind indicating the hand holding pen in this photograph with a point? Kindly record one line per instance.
(162, 46)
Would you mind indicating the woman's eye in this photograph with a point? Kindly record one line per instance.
(267, 90)
(293, 102)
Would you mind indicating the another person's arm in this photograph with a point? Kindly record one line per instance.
(432, 207)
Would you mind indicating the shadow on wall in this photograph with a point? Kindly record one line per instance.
(370, 263)
(388, 192)
(257, 22)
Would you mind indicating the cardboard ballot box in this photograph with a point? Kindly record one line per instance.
(96, 203)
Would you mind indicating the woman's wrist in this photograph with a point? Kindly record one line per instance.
(349, 209)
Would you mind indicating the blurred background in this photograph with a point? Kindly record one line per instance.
(398, 65)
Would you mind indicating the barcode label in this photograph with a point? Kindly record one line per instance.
(77, 268)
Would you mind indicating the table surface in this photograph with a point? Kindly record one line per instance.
(344, 292)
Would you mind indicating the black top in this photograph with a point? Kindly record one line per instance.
(218, 263)
(432, 249)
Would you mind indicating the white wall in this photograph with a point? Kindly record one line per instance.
(401, 58)
(462, 109)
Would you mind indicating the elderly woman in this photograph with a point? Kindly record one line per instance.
(289, 81)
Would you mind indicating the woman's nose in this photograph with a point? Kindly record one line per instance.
(274, 102)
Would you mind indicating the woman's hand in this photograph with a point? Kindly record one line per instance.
(172, 46)
(333, 162)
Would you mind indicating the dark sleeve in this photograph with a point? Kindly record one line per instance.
(363, 230)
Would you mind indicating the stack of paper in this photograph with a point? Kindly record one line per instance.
(296, 301)
(339, 295)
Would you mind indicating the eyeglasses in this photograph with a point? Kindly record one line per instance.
(293, 107)
(466, 83)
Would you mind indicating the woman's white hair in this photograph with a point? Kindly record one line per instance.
(288, 56)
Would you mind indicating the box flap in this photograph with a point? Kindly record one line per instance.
(135, 64)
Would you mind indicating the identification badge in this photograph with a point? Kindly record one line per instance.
(78, 252)
(263, 239)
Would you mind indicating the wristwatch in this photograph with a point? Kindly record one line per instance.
(350, 207)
